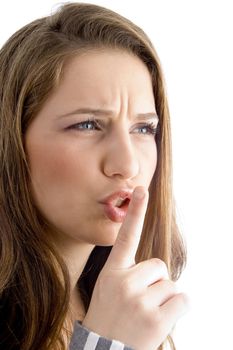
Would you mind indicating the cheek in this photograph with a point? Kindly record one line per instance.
(47, 164)
(58, 174)
(149, 161)
(55, 165)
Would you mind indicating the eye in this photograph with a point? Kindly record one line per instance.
(146, 129)
(87, 125)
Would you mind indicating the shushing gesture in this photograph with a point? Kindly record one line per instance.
(136, 304)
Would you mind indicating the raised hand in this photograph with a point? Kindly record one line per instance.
(136, 304)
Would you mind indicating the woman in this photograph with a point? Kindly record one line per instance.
(85, 134)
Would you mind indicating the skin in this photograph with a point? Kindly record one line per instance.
(74, 166)
(72, 170)
(134, 303)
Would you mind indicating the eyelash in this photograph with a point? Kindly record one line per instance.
(151, 128)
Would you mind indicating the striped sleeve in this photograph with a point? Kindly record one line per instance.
(84, 339)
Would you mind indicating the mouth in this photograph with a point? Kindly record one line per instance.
(116, 205)
(121, 203)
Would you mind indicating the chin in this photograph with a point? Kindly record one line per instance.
(104, 241)
(102, 233)
(105, 236)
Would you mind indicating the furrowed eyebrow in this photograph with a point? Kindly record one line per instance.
(97, 112)
(147, 116)
(106, 112)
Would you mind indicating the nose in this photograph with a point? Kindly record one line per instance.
(121, 157)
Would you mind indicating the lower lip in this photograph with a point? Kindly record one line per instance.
(115, 214)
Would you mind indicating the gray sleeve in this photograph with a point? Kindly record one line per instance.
(84, 339)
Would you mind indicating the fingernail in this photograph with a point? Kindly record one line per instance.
(139, 193)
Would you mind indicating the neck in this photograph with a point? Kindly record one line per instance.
(75, 255)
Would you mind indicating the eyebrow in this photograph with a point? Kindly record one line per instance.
(106, 112)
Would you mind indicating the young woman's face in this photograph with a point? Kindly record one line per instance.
(94, 137)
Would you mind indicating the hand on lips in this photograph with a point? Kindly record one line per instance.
(136, 304)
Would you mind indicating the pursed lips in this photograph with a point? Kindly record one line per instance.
(116, 205)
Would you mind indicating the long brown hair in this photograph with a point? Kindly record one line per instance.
(34, 283)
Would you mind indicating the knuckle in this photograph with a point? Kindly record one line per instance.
(183, 300)
(161, 265)
(171, 286)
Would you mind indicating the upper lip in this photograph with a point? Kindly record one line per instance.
(121, 194)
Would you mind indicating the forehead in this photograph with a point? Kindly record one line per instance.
(103, 79)
(107, 72)
(111, 61)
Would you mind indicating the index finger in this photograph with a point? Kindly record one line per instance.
(125, 248)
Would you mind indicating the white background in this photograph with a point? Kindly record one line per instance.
(194, 40)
